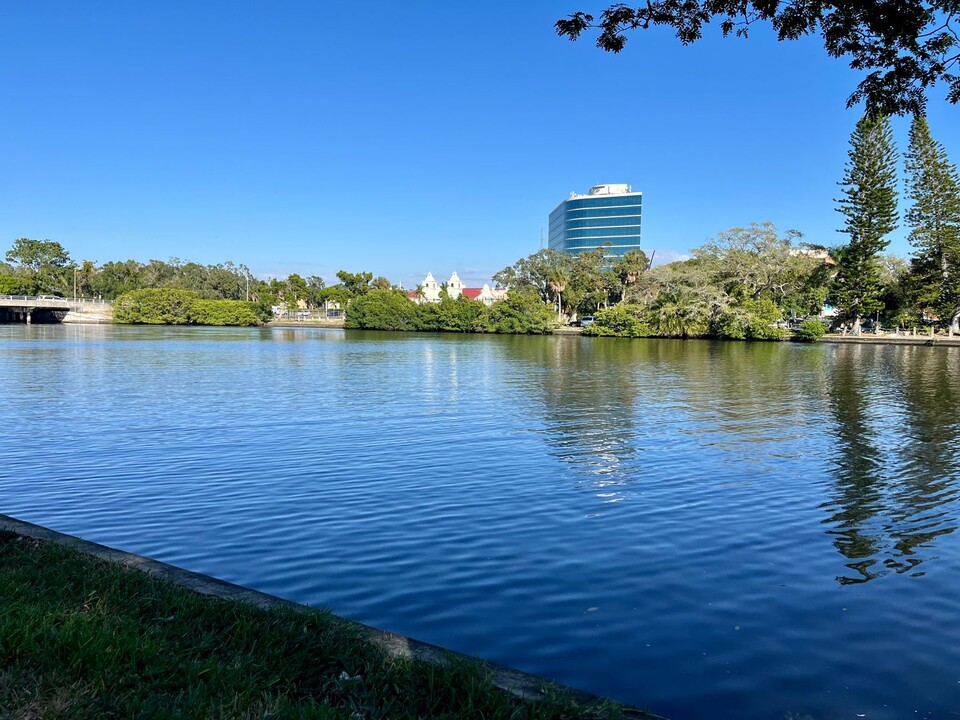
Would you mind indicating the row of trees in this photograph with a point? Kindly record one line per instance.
(575, 284)
(740, 284)
(41, 267)
(929, 286)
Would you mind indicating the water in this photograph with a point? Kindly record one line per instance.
(707, 529)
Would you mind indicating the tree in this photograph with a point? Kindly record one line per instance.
(592, 281)
(315, 285)
(869, 204)
(356, 284)
(906, 47)
(629, 267)
(557, 280)
(933, 185)
(44, 262)
(756, 262)
(35, 255)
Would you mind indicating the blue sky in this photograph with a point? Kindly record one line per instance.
(309, 137)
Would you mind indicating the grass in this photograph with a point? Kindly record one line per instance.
(82, 638)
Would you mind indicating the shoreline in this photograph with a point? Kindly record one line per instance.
(521, 685)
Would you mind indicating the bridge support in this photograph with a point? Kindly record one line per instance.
(29, 315)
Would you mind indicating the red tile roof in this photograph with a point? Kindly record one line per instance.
(472, 293)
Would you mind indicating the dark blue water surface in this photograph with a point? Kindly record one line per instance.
(707, 529)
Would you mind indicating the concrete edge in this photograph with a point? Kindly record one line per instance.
(519, 684)
(907, 340)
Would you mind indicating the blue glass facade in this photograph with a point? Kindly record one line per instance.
(606, 219)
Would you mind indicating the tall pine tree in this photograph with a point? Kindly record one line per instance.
(869, 203)
(934, 219)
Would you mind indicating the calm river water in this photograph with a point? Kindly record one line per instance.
(707, 529)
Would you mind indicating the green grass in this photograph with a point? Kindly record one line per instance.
(82, 638)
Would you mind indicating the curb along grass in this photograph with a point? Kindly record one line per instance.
(87, 631)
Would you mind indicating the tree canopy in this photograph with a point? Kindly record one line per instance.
(905, 46)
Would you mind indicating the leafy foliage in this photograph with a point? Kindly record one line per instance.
(225, 312)
(906, 47)
(521, 312)
(11, 284)
(811, 330)
(382, 310)
(621, 321)
(43, 265)
(172, 306)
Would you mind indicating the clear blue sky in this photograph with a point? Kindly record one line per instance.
(305, 137)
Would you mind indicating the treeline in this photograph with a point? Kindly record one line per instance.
(521, 312)
(41, 267)
(745, 283)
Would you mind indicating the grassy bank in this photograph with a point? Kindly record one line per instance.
(83, 638)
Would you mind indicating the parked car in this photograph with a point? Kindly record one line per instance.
(587, 320)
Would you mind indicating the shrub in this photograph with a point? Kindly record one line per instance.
(521, 312)
(461, 315)
(751, 320)
(224, 312)
(172, 306)
(619, 321)
(154, 306)
(382, 310)
(811, 330)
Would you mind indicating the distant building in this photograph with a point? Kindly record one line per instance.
(608, 216)
(429, 291)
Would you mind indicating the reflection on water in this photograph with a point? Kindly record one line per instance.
(683, 525)
(891, 447)
(896, 457)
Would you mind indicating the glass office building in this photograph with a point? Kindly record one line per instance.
(608, 216)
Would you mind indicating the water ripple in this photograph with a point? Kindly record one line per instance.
(765, 528)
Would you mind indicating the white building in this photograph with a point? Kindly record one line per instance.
(429, 291)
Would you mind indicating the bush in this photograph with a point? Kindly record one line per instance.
(751, 320)
(619, 321)
(154, 306)
(461, 315)
(172, 306)
(224, 312)
(382, 310)
(811, 330)
(522, 313)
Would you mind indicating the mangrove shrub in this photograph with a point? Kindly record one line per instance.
(172, 306)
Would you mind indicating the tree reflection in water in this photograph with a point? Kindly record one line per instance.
(895, 462)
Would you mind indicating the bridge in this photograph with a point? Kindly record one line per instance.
(44, 308)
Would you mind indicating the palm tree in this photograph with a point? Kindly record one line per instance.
(557, 279)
